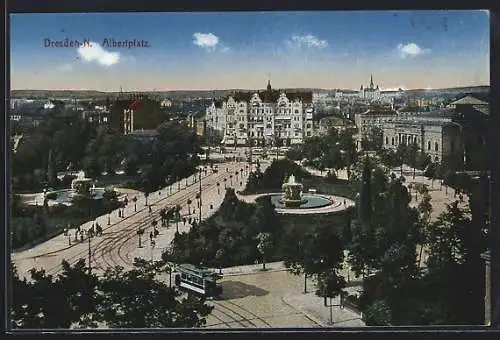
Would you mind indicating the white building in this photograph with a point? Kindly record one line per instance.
(262, 118)
(371, 92)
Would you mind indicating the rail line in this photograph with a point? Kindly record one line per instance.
(255, 316)
(105, 245)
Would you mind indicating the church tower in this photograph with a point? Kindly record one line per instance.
(371, 81)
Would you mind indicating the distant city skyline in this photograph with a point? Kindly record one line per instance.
(242, 50)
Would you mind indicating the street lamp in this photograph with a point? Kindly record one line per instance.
(89, 235)
(109, 218)
(200, 198)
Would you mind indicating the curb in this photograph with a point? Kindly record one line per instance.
(307, 315)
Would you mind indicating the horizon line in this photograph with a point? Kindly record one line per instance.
(250, 89)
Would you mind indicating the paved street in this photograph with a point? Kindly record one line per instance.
(117, 245)
(273, 298)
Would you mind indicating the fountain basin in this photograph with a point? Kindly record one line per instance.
(308, 201)
(66, 196)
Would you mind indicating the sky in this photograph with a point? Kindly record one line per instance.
(242, 50)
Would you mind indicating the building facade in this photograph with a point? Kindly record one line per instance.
(268, 117)
(438, 137)
(371, 92)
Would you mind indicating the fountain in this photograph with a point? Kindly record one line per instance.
(292, 200)
(81, 185)
(292, 193)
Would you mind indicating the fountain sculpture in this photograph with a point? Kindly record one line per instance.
(82, 185)
(292, 193)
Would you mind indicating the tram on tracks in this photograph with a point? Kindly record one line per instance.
(198, 280)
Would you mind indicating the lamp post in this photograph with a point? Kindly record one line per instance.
(90, 253)
(200, 199)
(109, 218)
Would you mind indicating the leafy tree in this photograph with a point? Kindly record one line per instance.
(377, 314)
(135, 299)
(264, 245)
(329, 284)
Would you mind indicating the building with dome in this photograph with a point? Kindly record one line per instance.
(267, 117)
(371, 92)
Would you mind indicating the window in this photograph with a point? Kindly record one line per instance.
(308, 126)
(296, 111)
(436, 146)
(308, 133)
(392, 140)
(428, 145)
(386, 140)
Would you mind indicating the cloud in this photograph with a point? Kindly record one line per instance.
(411, 50)
(95, 53)
(306, 41)
(205, 40)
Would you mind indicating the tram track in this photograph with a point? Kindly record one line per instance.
(105, 246)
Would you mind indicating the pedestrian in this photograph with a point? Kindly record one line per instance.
(65, 232)
(194, 211)
(184, 220)
(344, 202)
(159, 193)
(190, 219)
(78, 229)
(157, 232)
(151, 235)
(81, 236)
(150, 209)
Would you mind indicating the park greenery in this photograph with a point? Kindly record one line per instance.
(32, 224)
(65, 141)
(137, 298)
(231, 236)
(385, 249)
(335, 150)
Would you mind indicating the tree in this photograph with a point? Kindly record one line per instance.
(263, 246)
(51, 170)
(377, 314)
(220, 255)
(44, 302)
(329, 285)
(155, 306)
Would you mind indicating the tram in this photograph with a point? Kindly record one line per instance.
(198, 280)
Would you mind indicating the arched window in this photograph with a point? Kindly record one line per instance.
(392, 140)
(428, 145)
(436, 147)
(386, 140)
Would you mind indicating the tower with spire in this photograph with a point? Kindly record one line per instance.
(370, 92)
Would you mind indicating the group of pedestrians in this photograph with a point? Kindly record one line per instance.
(82, 235)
